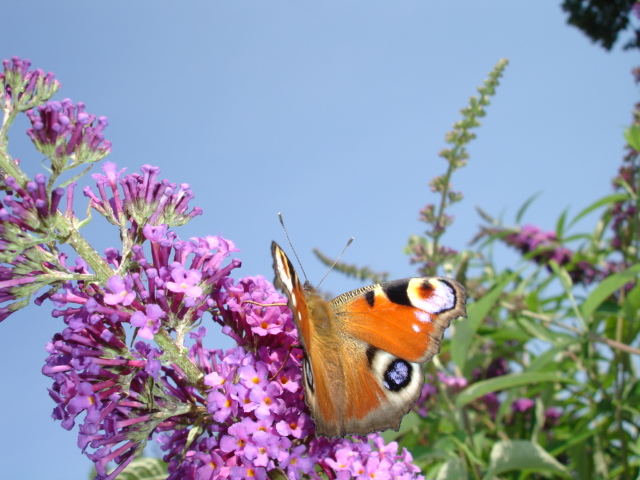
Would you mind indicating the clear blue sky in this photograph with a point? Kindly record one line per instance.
(332, 112)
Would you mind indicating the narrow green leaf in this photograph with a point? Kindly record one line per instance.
(536, 328)
(550, 356)
(616, 197)
(466, 329)
(509, 455)
(486, 217)
(567, 283)
(575, 439)
(560, 224)
(525, 206)
(144, 468)
(562, 275)
(505, 382)
(277, 475)
(453, 469)
(606, 288)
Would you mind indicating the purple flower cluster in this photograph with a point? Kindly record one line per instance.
(130, 363)
(238, 413)
(544, 247)
(28, 207)
(428, 394)
(255, 399)
(142, 200)
(27, 215)
(59, 129)
(24, 88)
(125, 394)
(345, 459)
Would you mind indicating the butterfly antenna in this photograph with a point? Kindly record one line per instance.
(286, 234)
(335, 262)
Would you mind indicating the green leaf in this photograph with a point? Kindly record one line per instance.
(537, 329)
(478, 389)
(560, 224)
(575, 439)
(453, 469)
(632, 136)
(144, 468)
(277, 474)
(616, 197)
(550, 356)
(525, 206)
(466, 329)
(410, 422)
(509, 455)
(606, 288)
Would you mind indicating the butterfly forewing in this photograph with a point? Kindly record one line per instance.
(406, 318)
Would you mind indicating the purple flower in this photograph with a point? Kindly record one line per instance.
(266, 401)
(551, 417)
(59, 129)
(546, 247)
(426, 394)
(498, 367)
(120, 292)
(185, 282)
(148, 322)
(297, 462)
(492, 403)
(453, 382)
(142, 200)
(25, 88)
(522, 405)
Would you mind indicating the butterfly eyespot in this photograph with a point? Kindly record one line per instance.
(397, 375)
(308, 375)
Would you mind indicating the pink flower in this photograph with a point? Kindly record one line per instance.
(148, 322)
(185, 281)
(120, 291)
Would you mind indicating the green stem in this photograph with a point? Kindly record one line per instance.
(7, 164)
(84, 249)
(178, 355)
(443, 204)
(619, 386)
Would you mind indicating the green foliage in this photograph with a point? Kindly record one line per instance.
(427, 250)
(541, 379)
(142, 468)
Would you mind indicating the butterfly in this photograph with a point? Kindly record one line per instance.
(363, 350)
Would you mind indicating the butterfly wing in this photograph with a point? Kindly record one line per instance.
(288, 282)
(321, 366)
(406, 318)
(391, 328)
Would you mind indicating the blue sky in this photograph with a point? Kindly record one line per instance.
(332, 112)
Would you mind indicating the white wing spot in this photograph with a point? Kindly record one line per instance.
(422, 316)
(416, 327)
(442, 298)
(283, 274)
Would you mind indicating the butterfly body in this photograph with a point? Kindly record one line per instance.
(363, 349)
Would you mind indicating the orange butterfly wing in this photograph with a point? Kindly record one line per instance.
(406, 318)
